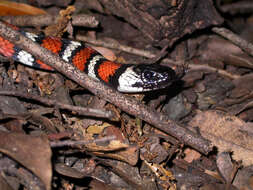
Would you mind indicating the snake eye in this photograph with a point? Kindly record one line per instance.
(149, 74)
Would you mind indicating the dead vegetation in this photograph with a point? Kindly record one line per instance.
(62, 130)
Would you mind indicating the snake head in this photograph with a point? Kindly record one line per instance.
(141, 78)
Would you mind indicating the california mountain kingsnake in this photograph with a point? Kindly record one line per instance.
(123, 77)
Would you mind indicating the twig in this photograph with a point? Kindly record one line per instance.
(115, 45)
(128, 49)
(127, 104)
(219, 71)
(45, 20)
(159, 56)
(151, 55)
(238, 7)
(80, 110)
(235, 39)
(58, 144)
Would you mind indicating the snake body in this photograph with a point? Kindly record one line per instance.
(130, 78)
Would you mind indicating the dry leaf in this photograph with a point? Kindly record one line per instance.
(97, 129)
(191, 155)
(104, 130)
(8, 8)
(220, 49)
(117, 149)
(107, 53)
(227, 132)
(4, 185)
(32, 152)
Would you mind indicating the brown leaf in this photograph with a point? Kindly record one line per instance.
(118, 149)
(191, 155)
(225, 165)
(220, 49)
(129, 155)
(107, 53)
(8, 8)
(215, 187)
(4, 185)
(227, 132)
(32, 152)
(170, 21)
(69, 171)
(243, 86)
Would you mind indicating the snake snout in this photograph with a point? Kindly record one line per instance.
(156, 76)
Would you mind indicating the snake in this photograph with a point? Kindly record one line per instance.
(126, 78)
